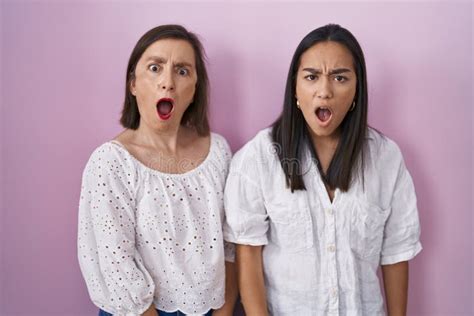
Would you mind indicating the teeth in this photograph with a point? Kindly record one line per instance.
(323, 108)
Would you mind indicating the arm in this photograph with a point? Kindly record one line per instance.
(115, 274)
(250, 279)
(246, 225)
(151, 311)
(401, 241)
(231, 291)
(395, 277)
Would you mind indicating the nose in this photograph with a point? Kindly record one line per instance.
(323, 88)
(167, 81)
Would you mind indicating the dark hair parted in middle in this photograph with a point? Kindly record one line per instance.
(290, 131)
(196, 114)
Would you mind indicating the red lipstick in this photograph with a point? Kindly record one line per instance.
(165, 108)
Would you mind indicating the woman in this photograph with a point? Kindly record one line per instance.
(319, 200)
(151, 208)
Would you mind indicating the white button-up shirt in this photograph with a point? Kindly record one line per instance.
(321, 257)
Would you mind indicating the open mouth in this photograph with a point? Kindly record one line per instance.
(323, 113)
(165, 107)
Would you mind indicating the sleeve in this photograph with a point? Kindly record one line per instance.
(246, 216)
(115, 275)
(229, 248)
(402, 230)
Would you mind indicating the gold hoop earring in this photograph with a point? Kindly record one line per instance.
(353, 105)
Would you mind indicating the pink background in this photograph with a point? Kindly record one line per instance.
(62, 81)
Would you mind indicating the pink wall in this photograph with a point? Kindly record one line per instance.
(62, 68)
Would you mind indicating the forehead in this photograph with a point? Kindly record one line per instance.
(327, 54)
(175, 49)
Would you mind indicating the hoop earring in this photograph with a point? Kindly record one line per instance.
(353, 105)
(298, 104)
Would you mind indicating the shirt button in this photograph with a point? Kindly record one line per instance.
(332, 248)
(334, 292)
(330, 211)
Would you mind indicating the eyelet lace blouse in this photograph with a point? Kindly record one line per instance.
(150, 237)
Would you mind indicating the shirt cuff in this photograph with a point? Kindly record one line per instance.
(255, 241)
(404, 256)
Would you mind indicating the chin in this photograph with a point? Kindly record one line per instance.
(319, 131)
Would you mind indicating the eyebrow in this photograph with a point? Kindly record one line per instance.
(183, 64)
(331, 72)
(161, 60)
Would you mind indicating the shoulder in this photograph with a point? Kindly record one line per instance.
(385, 164)
(109, 157)
(383, 149)
(221, 144)
(108, 151)
(259, 149)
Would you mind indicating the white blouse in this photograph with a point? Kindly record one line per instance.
(146, 236)
(321, 258)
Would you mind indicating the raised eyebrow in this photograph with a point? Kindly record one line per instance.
(159, 60)
(183, 64)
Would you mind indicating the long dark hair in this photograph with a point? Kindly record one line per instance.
(196, 114)
(290, 132)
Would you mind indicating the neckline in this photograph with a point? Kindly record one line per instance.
(165, 174)
(316, 177)
(325, 194)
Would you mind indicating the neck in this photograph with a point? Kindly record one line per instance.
(325, 145)
(163, 140)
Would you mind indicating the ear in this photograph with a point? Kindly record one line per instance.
(132, 87)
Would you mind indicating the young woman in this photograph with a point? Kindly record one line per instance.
(319, 200)
(151, 209)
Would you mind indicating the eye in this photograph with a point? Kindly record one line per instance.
(183, 72)
(310, 77)
(154, 67)
(340, 78)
